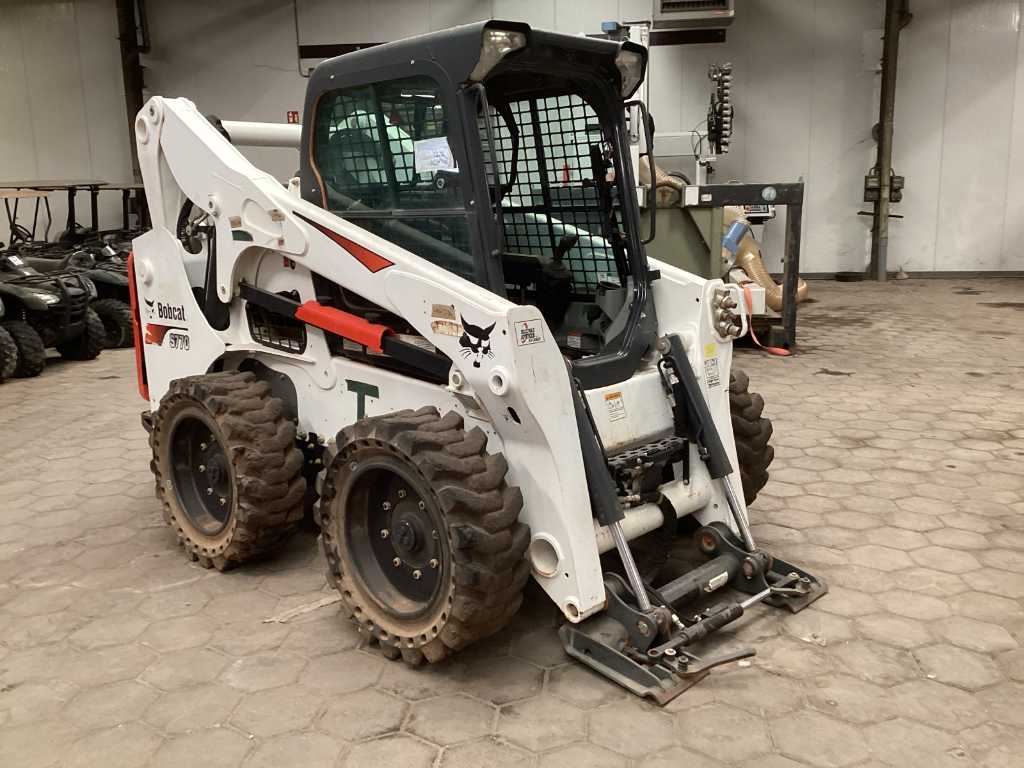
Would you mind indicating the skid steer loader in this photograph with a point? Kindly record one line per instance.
(447, 322)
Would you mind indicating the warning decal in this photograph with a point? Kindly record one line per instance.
(616, 406)
(711, 372)
(528, 332)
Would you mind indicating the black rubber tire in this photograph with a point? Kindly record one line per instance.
(31, 350)
(752, 432)
(265, 464)
(480, 511)
(8, 355)
(89, 343)
(117, 322)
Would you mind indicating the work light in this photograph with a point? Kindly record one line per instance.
(495, 45)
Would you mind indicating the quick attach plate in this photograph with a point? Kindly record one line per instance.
(615, 643)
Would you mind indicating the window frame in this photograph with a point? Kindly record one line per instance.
(465, 149)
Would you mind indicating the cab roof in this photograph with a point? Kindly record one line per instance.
(457, 50)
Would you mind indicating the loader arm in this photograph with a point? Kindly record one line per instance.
(519, 392)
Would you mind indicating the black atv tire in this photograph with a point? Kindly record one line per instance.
(473, 583)
(8, 354)
(249, 443)
(117, 322)
(31, 350)
(89, 343)
(752, 432)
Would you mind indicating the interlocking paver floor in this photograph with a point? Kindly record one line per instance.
(899, 477)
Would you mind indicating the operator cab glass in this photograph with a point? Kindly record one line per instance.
(500, 154)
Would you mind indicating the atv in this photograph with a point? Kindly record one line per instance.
(47, 310)
(106, 266)
(449, 322)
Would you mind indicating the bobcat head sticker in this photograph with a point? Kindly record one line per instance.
(475, 341)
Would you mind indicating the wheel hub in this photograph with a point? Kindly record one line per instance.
(202, 475)
(392, 533)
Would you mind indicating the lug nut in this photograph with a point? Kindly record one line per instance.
(202, 467)
(384, 533)
(417, 574)
(396, 562)
(209, 491)
(386, 506)
(223, 502)
(433, 562)
(202, 446)
(401, 493)
(422, 505)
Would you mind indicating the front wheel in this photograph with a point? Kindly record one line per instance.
(89, 343)
(228, 472)
(8, 355)
(116, 317)
(752, 432)
(31, 357)
(421, 533)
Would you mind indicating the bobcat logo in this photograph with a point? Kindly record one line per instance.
(475, 341)
(150, 308)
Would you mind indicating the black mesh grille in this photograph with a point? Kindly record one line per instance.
(276, 331)
(554, 193)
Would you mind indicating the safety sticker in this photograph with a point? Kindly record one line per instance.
(443, 312)
(446, 327)
(528, 332)
(711, 375)
(615, 404)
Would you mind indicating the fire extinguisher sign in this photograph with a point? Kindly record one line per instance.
(293, 116)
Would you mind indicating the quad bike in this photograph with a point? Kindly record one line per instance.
(448, 323)
(106, 267)
(47, 310)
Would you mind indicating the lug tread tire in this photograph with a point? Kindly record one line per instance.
(487, 542)
(752, 432)
(260, 443)
(8, 355)
(89, 343)
(117, 322)
(31, 350)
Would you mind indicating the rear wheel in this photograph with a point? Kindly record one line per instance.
(752, 432)
(89, 343)
(227, 469)
(116, 317)
(8, 355)
(421, 533)
(31, 350)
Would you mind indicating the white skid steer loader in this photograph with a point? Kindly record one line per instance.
(455, 291)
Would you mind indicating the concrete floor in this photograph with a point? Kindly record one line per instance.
(899, 478)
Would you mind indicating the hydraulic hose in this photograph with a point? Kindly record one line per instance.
(748, 258)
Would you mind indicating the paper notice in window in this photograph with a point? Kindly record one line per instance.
(433, 155)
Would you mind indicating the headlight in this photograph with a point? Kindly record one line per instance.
(631, 68)
(495, 45)
(49, 298)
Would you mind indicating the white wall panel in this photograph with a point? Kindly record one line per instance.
(976, 137)
(60, 83)
(1012, 256)
(917, 140)
(840, 149)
